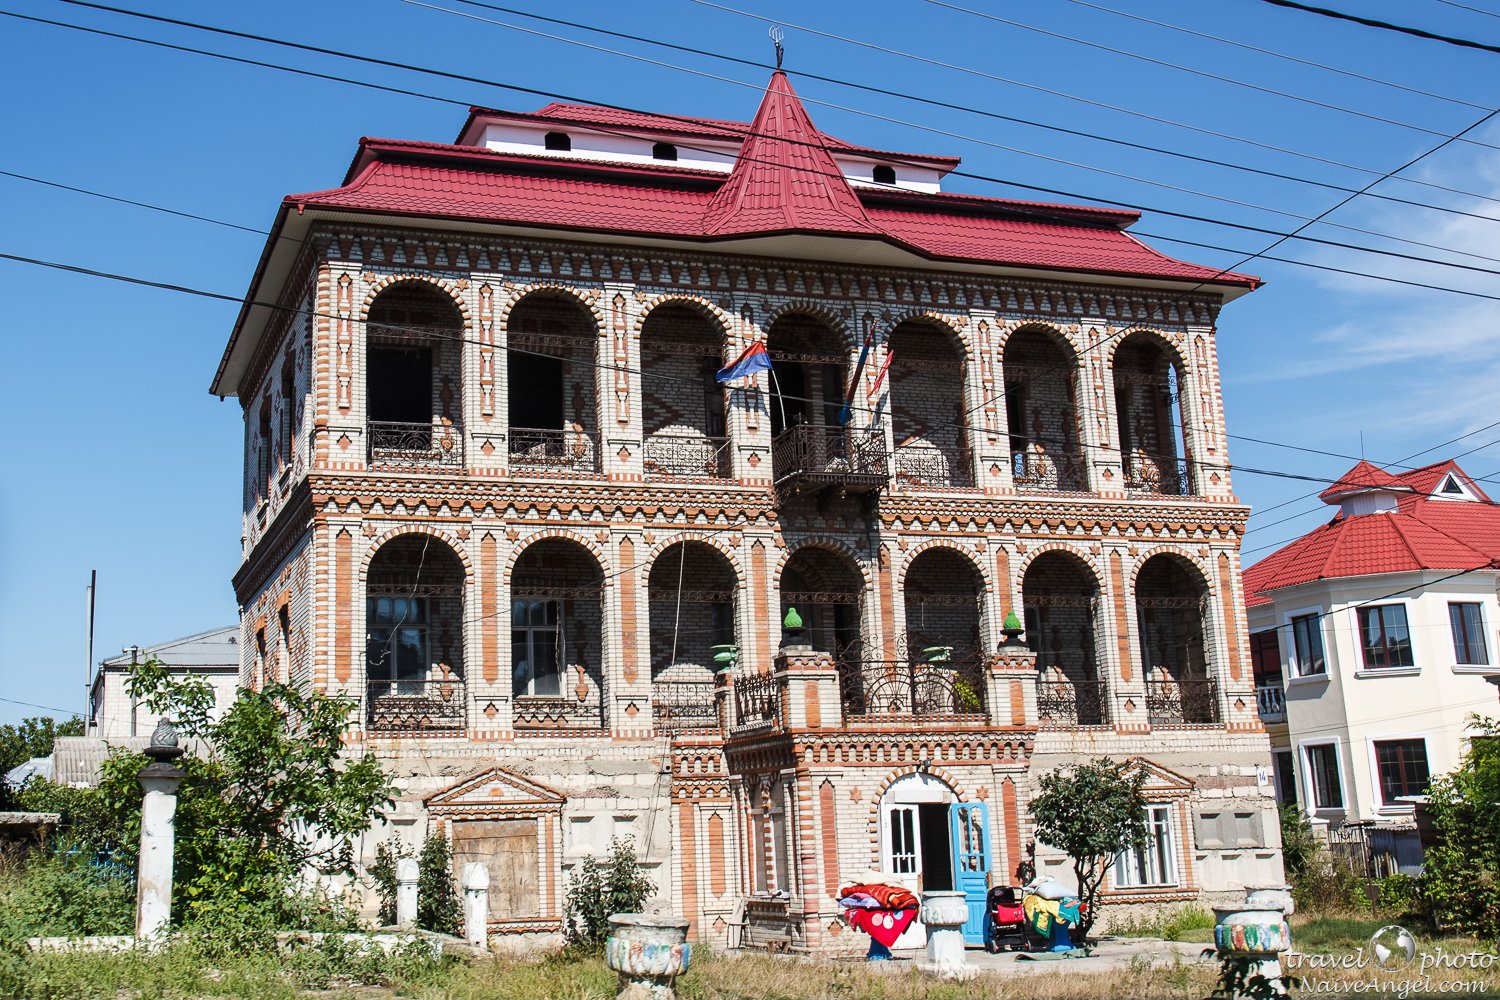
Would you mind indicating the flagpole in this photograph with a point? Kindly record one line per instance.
(781, 403)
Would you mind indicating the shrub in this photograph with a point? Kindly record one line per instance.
(1298, 845)
(73, 890)
(437, 898)
(1461, 873)
(1402, 895)
(383, 874)
(597, 890)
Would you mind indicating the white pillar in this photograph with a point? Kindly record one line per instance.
(477, 904)
(944, 915)
(406, 892)
(153, 892)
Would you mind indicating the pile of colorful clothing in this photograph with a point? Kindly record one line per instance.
(880, 910)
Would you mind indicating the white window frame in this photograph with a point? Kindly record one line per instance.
(1377, 793)
(1128, 872)
(902, 862)
(1293, 670)
(1310, 802)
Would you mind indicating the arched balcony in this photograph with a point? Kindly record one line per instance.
(556, 627)
(1172, 598)
(928, 412)
(691, 591)
(681, 404)
(414, 638)
(1060, 598)
(1041, 411)
(552, 343)
(938, 666)
(413, 379)
(1148, 380)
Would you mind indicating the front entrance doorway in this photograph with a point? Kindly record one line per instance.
(932, 842)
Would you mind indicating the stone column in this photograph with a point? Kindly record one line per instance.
(1011, 690)
(944, 915)
(477, 904)
(159, 780)
(406, 893)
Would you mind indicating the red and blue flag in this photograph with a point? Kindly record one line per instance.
(754, 359)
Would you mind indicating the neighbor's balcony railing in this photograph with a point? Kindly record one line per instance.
(693, 455)
(1270, 702)
(1072, 703)
(813, 456)
(394, 445)
(930, 465)
(422, 706)
(680, 705)
(548, 449)
(1185, 702)
(1164, 474)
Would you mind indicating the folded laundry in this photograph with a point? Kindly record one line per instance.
(860, 901)
(890, 897)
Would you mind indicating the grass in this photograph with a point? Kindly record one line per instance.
(1187, 923)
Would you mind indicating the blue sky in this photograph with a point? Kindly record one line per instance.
(120, 460)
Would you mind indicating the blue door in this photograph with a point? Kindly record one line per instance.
(969, 828)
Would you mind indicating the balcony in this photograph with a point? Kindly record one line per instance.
(684, 705)
(687, 456)
(549, 450)
(552, 714)
(1183, 703)
(1163, 474)
(417, 706)
(1068, 704)
(812, 457)
(407, 446)
(1270, 702)
(899, 690)
(928, 466)
(757, 701)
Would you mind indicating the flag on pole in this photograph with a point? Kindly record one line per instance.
(859, 369)
(754, 359)
(885, 366)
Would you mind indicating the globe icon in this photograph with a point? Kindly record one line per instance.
(1393, 946)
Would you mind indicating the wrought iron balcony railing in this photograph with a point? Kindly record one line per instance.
(901, 689)
(394, 445)
(929, 465)
(549, 449)
(1185, 702)
(687, 455)
(757, 700)
(812, 456)
(1270, 702)
(1036, 470)
(551, 713)
(1164, 474)
(1072, 703)
(422, 706)
(680, 705)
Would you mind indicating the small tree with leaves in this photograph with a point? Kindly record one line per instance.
(1461, 872)
(596, 890)
(1091, 812)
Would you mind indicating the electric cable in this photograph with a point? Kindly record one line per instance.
(1372, 22)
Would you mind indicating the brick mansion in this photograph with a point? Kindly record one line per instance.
(580, 589)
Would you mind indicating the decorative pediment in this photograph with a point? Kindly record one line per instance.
(496, 789)
(1161, 779)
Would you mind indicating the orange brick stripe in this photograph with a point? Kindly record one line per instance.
(687, 838)
(343, 572)
(1011, 822)
(1122, 634)
(488, 623)
(828, 818)
(1232, 637)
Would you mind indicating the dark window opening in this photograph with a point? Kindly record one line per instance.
(790, 389)
(396, 638)
(559, 142)
(833, 394)
(664, 151)
(721, 617)
(1307, 637)
(1286, 782)
(937, 848)
(713, 400)
(1323, 768)
(1403, 768)
(536, 647)
(288, 412)
(884, 175)
(1450, 486)
(1385, 637)
(536, 391)
(1265, 657)
(1468, 634)
(263, 455)
(401, 384)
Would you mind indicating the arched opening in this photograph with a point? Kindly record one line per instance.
(944, 596)
(1041, 411)
(414, 637)
(928, 413)
(883, 174)
(413, 378)
(1060, 598)
(681, 402)
(812, 370)
(932, 841)
(827, 591)
(1148, 403)
(553, 410)
(556, 628)
(663, 151)
(936, 668)
(691, 590)
(1171, 599)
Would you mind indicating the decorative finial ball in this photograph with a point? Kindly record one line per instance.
(165, 734)
(792, 619)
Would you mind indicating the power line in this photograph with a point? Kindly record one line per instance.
(1372, 22)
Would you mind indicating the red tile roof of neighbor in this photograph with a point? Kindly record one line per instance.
(1420, 534)
(784, 180)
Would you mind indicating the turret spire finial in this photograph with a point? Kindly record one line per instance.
(776, 37)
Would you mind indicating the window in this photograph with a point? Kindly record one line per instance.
(903, 826)
(288, 411)
(263, 452)
(260, 656)
(1323, 775)
(1286, 782)
(400, 384)
(1386, 639)
(396, 641)
(284, 626)
(558, 142)
(1265, 656)
(1307, 643)
(1402, 766)
(1468, 634)
(664, 151)
(536, 647)
(1153, 862)
(884, 174)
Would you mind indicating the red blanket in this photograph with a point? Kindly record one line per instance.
(890, 897)
(884, 926)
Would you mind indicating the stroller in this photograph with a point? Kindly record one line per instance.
(1005, 925)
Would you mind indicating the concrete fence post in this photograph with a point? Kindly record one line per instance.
(406, 892)
(476, 884)
(159, 781)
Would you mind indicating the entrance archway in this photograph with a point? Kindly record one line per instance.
(931, 841)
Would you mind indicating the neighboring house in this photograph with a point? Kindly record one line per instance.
(494, 495)
(1374, 639)
(213, 656)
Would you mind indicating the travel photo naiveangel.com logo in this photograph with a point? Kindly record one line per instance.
(1393, 963)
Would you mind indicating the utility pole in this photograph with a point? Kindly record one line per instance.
(88, 664)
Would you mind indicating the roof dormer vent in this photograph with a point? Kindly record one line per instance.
(558, 142)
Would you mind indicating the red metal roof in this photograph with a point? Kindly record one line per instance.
(1362, 477)
(1421, 534)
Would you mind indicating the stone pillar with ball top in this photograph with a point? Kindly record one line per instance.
(159, 781)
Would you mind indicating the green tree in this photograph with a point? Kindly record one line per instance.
(596, 890)
(32, 737)
(1461, 873)
(1091, 812)
(437, 897)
